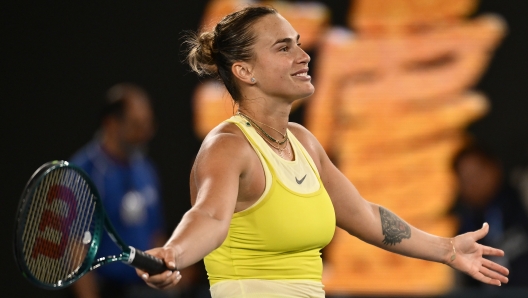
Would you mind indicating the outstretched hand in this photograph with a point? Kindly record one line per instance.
(469, 258)
(166, 279)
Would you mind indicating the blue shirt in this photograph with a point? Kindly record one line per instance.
(131, 198)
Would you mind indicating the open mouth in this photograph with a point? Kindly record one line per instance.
(302, 74)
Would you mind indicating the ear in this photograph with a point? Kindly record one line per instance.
(243, 72)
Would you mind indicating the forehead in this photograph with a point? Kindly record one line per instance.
(137, 105)
(271, 28)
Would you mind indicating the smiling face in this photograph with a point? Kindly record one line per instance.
(280, 66)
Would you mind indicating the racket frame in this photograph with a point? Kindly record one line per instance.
(129, 254)
(20, 223)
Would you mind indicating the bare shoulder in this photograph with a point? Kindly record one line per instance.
(224, 132)
(223, 159)
(303, 135)
(225, 143)
(307, 139)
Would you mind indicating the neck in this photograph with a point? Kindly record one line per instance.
(276, 115)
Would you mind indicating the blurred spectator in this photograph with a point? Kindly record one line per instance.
(484, 196)
(520, 181)
(128, 184)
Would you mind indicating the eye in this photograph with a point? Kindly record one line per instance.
(283, 49)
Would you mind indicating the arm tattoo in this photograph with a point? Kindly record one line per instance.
(394, 229)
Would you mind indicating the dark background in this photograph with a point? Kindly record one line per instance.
(58, 59)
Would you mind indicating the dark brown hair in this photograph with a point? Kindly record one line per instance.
(116, 97)
(480, 151)
(213, 53)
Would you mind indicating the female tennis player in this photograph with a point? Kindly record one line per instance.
(266, 198)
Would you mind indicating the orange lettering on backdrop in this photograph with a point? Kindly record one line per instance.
(393, 97)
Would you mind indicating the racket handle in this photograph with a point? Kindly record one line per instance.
(146, 262)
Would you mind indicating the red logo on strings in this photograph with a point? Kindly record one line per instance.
(51, 220)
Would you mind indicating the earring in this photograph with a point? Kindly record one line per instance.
(253, 80)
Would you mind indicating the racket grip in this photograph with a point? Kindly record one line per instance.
(146, 262)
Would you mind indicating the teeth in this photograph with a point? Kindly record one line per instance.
(303, 74)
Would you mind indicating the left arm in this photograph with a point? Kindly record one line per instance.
(375, 224)
(378, 226)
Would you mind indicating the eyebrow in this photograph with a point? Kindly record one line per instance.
(286, 40)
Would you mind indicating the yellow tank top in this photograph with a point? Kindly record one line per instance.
(281, 235)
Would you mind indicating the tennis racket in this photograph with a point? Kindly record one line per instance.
(59, 225)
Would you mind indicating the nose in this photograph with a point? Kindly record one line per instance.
(304, 57)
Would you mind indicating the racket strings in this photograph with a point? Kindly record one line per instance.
(59, 226)
(82, 228)
(68, 265)
(55, 269)
(32, 227)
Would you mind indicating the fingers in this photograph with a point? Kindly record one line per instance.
(479, 234)
(490, 251)
(169, 259)
(166, 279)
(495, 267)
(487, 280)
(493, 275)
(483, 277)
(162, 281)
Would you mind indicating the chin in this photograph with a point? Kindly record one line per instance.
(308, 92)
(299, 93)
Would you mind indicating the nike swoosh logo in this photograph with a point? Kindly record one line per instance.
(300, 181)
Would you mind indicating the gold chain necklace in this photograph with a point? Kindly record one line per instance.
(277, 147)
(254, 122)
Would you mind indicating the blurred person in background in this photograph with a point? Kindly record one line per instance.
(484, 196)
(519, 180)
(128, 184)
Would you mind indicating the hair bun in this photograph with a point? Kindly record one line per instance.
(214, 51)
(202, 53)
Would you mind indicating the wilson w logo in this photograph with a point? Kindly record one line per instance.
(54, 226)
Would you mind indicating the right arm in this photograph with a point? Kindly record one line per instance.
(215, 177)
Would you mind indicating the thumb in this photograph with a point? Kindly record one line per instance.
(169, 258)
(479, 234)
